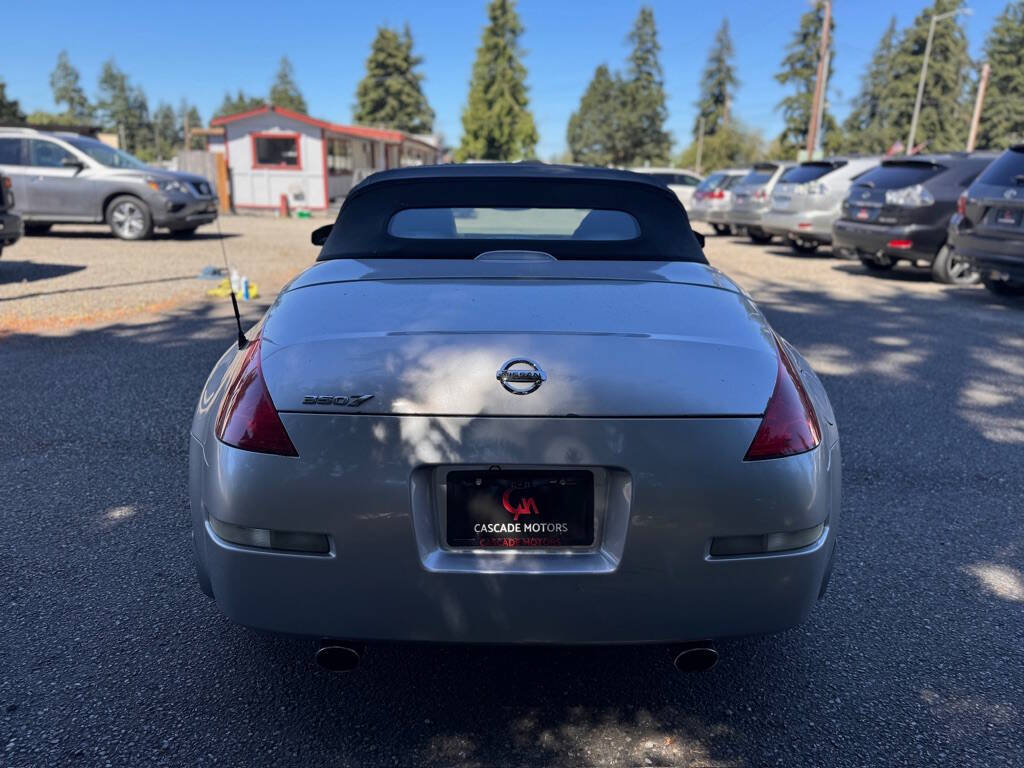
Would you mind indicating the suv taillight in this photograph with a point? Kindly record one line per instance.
(717, 194)
(789, 425)
(961, 203)
(248, 418)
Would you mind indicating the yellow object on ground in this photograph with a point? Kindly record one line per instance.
(223, 290)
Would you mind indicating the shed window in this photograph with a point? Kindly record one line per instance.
(339, 157)
(276, 151)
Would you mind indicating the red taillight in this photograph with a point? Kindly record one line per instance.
(961, 203)
(247, 418)
(789, 425)
(760, 194)
(900, 245)
(717, 194)
(7, 182)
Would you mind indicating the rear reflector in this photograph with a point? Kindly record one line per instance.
(900, 245)
(961, 203)
(789, 425)
(265, 538)
(247, 418)
(765, 543)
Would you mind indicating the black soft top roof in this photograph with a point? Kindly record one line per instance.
(361, 230)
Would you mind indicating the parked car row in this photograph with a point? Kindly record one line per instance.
(69, 178)
(961, 214)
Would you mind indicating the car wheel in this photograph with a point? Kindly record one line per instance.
(803, 246)
(183, 233)
(1004, 287)
(129, 218)
(722, 229)
(761, 238)
(37, 229)
(953, 269)
(877, 266)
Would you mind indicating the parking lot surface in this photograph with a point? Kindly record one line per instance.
(110, 655)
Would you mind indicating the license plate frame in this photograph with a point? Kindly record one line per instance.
(456, 489)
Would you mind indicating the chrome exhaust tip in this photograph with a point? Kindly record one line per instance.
(336, 656)
(694, 657)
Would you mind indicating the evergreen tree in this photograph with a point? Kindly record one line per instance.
(167, 135)
(800, 70)
(717, 85)
(10, 110)
(643, 124)
(867, 129)
(1002, 116)
(123, 108)
(285, 91)
(391, 92)
(945, 112)
(595, 128)
(497, 123)
(232, 105)
(188, 115)
(64, 80)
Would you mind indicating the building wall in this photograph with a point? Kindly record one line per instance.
(263, 187)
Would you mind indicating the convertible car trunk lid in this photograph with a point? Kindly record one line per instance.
(666, 344)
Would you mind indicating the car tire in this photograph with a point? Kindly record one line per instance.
(32, 230)
(876, 266)
(129, 218)
(1004, 287)
(803, 247)
(762, 238)
(183, 233)
(952, 269)
(722, 229)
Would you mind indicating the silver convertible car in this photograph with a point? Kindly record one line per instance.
(514, 404)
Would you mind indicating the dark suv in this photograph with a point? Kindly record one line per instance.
(10, 222)
(900, 211)
(988, 227)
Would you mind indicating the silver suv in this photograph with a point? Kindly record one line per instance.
(68, 178)
(751, 199)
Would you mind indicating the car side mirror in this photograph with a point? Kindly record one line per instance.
(72, 162)
(320, 234)
(700, 238)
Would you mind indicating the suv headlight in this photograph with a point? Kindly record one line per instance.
(909, 197)
(172, 185)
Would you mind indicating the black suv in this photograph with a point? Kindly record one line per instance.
(988, 227)
(10, 223)
(900, 211)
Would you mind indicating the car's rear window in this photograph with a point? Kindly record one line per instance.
(808, 172)
(1007, 170)
(896, 175)
(761, 174)
(513, 223)
(712, 182)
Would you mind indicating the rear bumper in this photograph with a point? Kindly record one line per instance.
(802, 225)
(718, 216)
(874, 238)
(991, 254)
(387, 577)
(752, 219)
(10, 228)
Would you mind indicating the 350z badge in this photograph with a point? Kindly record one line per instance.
(352, 401)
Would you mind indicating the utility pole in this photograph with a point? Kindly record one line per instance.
(700, 143)
(982, 84)
(819, 83)
(924, 72)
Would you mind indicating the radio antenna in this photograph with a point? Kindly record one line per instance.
(242, 341)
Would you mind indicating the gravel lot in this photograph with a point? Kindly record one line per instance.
(110, 655)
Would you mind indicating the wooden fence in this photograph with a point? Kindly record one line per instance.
(213, 166)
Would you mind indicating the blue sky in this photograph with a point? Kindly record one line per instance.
(197, 50)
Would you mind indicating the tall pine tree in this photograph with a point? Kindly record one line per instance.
(497, 123)
(10, 109)
(800, 71)
(285, 91)
(718, 85)
(644, 137)
(67, 90)
(123, 108)
(945, 112)
(391, 92)
(595, 128)
(167, 135)
(1002, 117)
(868, 129)
(240, 102)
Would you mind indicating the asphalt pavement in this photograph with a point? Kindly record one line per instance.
(110, 654)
